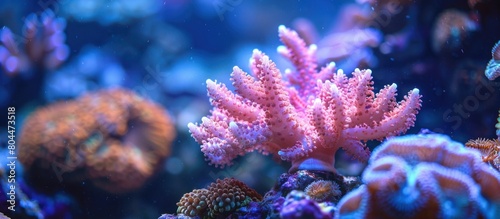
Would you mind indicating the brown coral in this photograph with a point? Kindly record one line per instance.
(229, 194)
(489, 148)
(193, 203)
(323, 190)
(219, 198)
(109, 137)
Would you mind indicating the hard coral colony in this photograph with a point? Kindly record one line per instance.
(424, 176)
(218, 199)
(305, 119)
(114, 138)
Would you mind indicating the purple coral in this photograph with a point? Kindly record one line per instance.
(424, 176)
(298, 205)
(43, 40)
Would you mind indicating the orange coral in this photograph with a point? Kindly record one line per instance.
(220, 197)
(109, 137)
(489, 148)
(323, 190)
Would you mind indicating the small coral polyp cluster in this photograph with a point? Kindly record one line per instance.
(218, 199)
(304, 119)
(114, 138)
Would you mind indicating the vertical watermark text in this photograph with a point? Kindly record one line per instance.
(11, 158)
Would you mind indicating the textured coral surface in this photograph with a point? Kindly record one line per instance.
(218, 200)
(304, 119)
(115, 138)
(424, 176)
(489, 149)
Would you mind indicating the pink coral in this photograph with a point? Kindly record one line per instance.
(424, 176)
(305, 119)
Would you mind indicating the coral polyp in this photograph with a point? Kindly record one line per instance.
(218, 199)
(193, 203)
(114, 138)
(323, 190)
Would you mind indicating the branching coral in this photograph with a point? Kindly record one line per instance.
(424, 176)
(219, 198)
(305, 119)
(489, 148)
(115, 138)
(43, 40)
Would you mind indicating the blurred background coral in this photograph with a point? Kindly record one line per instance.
(109, 74)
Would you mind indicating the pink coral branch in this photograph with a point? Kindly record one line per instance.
(246, 84)
(303, 60)
(224, 99)
(304, 120)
